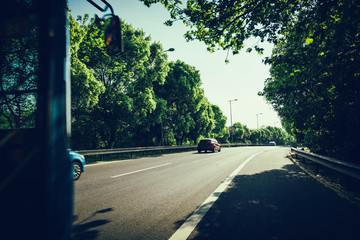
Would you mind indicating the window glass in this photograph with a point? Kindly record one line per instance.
(19, 65)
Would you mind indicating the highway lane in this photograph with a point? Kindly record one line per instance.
(185, 196)
(149, 198)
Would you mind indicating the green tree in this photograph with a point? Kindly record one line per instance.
(314, 82)
(85, 91)
(84, 86)
(126, 109)
(148, 129)
(188, 113)
(267, 134)
(137, 98)
(255, 136)
(203, 117)
(221, 132)
(227, 24)
(314, 79)
(241, 133)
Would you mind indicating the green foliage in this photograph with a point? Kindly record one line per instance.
(241, 133)
(220, 131)
(117, 92)
(227, 24)
(314, 85)
(136, 99)
(314, 82)
(140, 99)
(263, 135)
(188, 113)
(85, 87)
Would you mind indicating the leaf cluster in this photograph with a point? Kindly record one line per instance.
(227, 24)
(136, 99)
(314, 82)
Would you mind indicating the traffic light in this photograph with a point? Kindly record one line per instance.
(113, 36)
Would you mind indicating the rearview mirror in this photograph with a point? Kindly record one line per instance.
(113, 36)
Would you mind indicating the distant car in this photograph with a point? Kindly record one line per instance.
(272, 143)
(78, 162)
(208, 144)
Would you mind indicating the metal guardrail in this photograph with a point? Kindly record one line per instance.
(134, 150)
(151, 149)
(347, 168)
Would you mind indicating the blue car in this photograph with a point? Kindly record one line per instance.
(78, 161)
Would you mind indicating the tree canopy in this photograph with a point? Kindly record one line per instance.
(137, 98)
(227, 24)
(314, 84)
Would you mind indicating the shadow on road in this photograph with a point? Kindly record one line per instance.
(84, 230)
(279, 204)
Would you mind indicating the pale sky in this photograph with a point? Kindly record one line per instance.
(240, 79)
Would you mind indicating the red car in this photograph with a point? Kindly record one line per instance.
(209, 144)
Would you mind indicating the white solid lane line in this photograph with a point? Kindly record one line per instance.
(185, 230)
(141, 170)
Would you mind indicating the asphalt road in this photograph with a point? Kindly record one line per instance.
(239, 193)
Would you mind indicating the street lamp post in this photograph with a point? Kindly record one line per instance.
(257, 119)
(231, 125)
